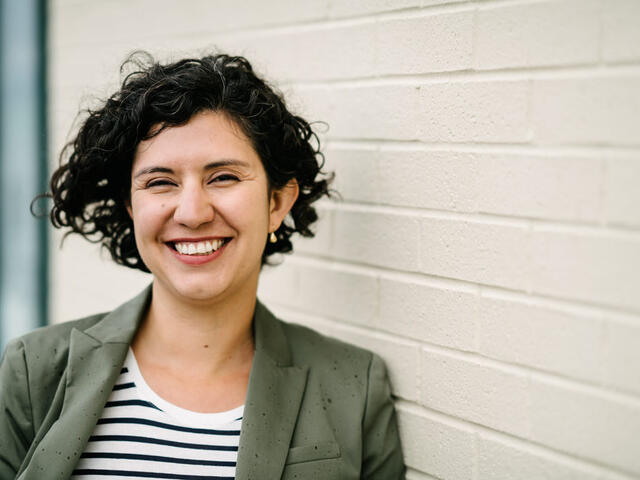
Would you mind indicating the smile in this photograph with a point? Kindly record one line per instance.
(202, 248)
(199, 248)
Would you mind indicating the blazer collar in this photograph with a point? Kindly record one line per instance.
(276, 387)
(120, 325)
(96, 355)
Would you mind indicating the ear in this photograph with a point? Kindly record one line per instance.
(127, 204)
(281, 202)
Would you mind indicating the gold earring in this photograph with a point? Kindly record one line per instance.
(273, 238)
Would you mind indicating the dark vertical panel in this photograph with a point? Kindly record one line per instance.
(22, 159)
(2, 179)
(43, 165)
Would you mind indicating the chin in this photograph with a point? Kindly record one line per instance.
(202, 294)
(204, 285)
(200, 290)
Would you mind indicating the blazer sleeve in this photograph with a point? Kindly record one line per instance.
(16, 425)
(382, 452)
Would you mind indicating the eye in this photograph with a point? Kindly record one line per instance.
(224, 177)
(161, 182)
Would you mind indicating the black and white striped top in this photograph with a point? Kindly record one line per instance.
(140, 435)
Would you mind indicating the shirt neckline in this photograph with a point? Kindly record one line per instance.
(187, 417)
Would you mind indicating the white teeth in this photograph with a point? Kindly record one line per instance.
(198, 248)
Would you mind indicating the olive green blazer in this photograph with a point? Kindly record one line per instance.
(315, 407)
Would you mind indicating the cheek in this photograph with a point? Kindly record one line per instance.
(244, 209)
(148, 216)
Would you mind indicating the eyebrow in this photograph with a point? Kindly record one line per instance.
(208, 166)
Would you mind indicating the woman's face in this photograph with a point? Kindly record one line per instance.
(202, 210)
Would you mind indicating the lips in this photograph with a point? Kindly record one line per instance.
(196, 259)
(206, 247)
(198, 251)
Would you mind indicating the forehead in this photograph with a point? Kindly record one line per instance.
(207, 137)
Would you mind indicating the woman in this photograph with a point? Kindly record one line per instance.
(196, 172)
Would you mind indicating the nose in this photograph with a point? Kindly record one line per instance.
(194, 207)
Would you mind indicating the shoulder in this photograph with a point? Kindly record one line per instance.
(51, 341)
(41, 357)
(311, 346)
(352, 386)
(298, 345)
(332, 361)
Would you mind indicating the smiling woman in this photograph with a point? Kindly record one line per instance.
(196, 172)
(195, 186)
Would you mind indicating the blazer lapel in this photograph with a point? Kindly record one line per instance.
(95, 359)
(273, 401)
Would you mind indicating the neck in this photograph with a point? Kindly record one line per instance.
(203, 339)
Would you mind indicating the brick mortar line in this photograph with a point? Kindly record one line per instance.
(381, 273)
(417, 213)
(329, 20)
(533, 149)
(322, 22)
(575, 385)
(511, 440)
(597, 227)
(395, 145)
(600, 33)
(297, 313)
(590, 229)
(465, 76)
(608, 393)
(574, 307)
(469, 75)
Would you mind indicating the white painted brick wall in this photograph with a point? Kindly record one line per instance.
(435, 444)
(436, 314)
(620, 355)
(487, 244)
(479, 392)
(587, 110)
(439, 42)
(380, 238)
(622, 195)
(537, 34)
(620, 31)
(594, 267)
(540, 337)
(503, 459)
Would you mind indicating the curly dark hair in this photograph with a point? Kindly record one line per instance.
(91, 187)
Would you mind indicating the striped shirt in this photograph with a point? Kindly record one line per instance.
(140, 435)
